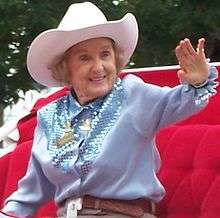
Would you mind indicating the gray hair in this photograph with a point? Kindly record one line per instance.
(59, 70)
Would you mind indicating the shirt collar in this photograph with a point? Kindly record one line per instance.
(76, 108)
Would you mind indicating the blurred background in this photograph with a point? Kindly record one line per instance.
(162, 23)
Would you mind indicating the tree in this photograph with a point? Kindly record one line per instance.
(164, 23)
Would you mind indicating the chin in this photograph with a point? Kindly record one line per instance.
(101, 93)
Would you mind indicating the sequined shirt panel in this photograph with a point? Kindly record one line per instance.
(75, 133)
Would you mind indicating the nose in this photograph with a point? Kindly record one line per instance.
(97, 66)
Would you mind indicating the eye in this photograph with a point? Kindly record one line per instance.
(106, 54)
(84, 57)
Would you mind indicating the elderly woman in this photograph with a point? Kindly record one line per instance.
(93, 150)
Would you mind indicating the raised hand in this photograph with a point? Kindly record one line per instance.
(194, 68)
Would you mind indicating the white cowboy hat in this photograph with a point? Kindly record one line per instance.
(82, 21)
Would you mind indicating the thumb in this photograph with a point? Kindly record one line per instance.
(181, 75)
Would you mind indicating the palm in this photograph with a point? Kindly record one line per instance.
(194, 68)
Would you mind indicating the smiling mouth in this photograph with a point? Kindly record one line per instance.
(97, 79)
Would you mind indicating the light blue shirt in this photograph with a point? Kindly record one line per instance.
(125, 161)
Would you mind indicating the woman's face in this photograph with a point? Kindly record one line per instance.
(92, 70)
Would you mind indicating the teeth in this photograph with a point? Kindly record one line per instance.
(97, 79)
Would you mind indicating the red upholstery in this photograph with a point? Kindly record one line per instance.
(4, 165)
(190, 153)
(190, 171)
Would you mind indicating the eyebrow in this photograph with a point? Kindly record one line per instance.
(78, 51)
(81, 51)
(106, 46)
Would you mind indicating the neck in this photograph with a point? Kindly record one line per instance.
(83, 100)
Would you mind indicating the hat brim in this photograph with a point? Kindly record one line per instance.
(53, 43)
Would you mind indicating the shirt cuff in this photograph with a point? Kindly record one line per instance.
(204, 91)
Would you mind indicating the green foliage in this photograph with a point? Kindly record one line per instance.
(162, 24)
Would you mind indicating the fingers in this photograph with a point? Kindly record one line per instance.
(200, 48)
(189, 47)
(185, 52)
(181, 54)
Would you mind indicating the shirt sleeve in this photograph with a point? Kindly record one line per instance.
(34, 189)
(156, 107)
(186, 100)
